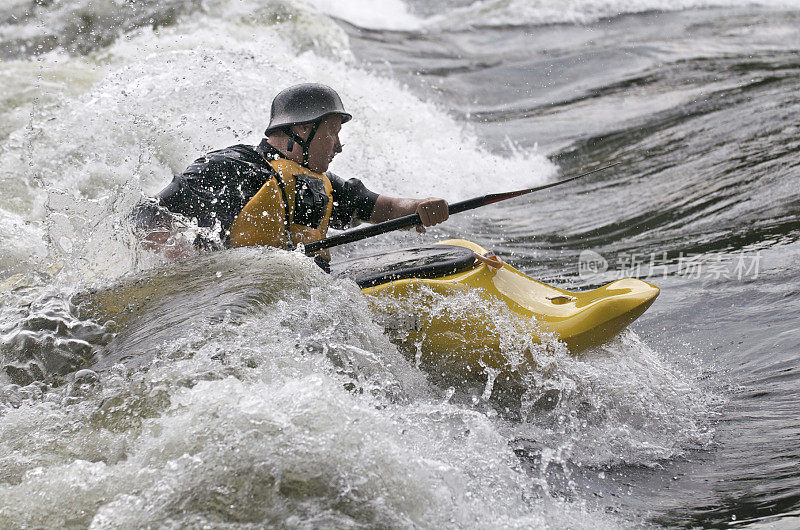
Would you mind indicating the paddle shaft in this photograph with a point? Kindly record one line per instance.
(408, 221)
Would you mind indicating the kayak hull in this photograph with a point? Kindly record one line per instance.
(472, 341)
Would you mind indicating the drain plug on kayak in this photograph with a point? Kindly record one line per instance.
(561, 299)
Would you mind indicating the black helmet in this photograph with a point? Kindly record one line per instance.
(304, 103)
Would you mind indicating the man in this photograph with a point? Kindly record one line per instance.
(278, 193)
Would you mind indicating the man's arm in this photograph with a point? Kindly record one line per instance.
(159, 232)
(353, 201)
(431, 210)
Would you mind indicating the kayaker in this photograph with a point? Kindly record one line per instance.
(280, 193)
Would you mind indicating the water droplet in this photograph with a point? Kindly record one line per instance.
(65, 244)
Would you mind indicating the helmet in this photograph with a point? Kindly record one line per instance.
(304, 103)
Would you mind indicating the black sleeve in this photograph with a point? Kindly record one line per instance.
(351, 200)
(201, 193)
(215, 188)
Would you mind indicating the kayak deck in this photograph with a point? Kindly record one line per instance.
(432, 261)
(581, 320)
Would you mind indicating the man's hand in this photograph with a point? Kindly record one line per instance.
(170, 245)
(431, 211)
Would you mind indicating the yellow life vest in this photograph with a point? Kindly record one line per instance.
(297, 198)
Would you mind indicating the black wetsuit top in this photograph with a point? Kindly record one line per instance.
(216, 187)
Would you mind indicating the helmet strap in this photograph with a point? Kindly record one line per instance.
(305, 144)
(308, 141)
(293, 138)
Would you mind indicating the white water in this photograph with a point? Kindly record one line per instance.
(296, 410)
(160, 99)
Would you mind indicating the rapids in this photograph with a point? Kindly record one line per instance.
(248, 388)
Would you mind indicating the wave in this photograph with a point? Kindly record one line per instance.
(392, 14)
(500, 13)
(247, 387)
(415, 16)
(257, 388)
(145, 106)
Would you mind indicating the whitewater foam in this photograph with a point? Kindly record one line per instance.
(392, 14)
(249, 387)
(134, 124)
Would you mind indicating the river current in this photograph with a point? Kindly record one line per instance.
(246, 388)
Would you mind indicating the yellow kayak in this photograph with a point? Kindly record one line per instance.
(409, 283)
(457, 312)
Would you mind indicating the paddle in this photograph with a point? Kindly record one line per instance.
(408, 221)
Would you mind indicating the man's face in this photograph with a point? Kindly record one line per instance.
(325, 145)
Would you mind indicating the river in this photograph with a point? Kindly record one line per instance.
(246, 388)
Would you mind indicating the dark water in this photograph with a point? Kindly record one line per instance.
(248, 388)
(700, 109)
